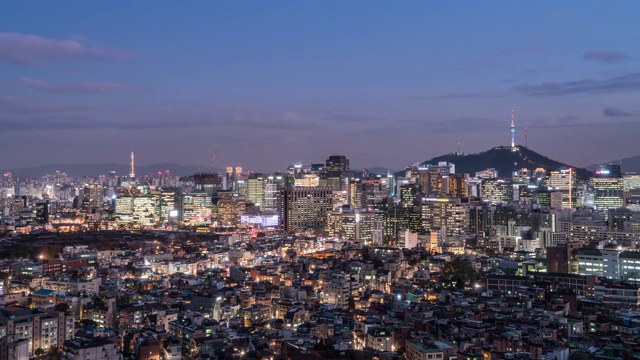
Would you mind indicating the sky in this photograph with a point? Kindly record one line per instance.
(265, 84)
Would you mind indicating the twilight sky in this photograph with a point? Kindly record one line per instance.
(270, 83)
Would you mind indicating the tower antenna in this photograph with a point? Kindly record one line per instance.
(458, 148)
(513, 130)
(526, 138)
(132, 172)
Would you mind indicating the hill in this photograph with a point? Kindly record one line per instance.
(630, 164)
(503, 159)
(76, 170)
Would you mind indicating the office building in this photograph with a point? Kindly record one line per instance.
(496, 191)
(449, 214)
(304, 208)
(92, 198)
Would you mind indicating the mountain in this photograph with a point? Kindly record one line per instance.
(75, 170)
(503, 159)
(630, 164)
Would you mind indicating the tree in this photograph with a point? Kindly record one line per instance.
(88, 323)
(291, 254)
(62, 307)
(458, 272)
(39, 352)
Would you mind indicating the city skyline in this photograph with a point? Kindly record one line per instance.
(271, 84)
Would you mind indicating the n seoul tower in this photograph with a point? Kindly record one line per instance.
(513, 131)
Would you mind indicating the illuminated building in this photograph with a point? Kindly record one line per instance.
(304, 208)
(43, 210)
(337, 164)
(350, 225)
(132, 170)
(92, 198)
(522, 176)
(271, 194)
(431, 181)
(608, 188)
(255, 189)
(407, 239)
(168, 211)
(565, 182)
(336, 290)
(452, 215)
(307, 180)
(266, 220)
(230, 211)
(457, 185)
(137, 211)
(195, 209)
(497, 191)
(339, 199)
(632, 183)
(208, 183)
(410, 195)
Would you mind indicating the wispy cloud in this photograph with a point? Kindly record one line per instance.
(605, 57)
(616, 112)
(75, 87)
(34, 50)
(21, 114)
(618, 84)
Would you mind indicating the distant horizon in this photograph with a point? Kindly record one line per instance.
(269, 83)
(219, 167)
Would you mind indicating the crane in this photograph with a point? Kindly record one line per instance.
(214, 162)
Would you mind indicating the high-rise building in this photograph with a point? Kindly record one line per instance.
(337, 164)
(132, 170)
(271, 200)
(564, 180)
(208, 183)
(304, 208)
(195, 209)
(608, 188)
(230, 210)
(350, 225)
(138, 211)
(255, 190)
(446, 213)
(92, 198)
(497, 191)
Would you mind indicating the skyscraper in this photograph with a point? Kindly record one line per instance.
(132, 171)
(564, 181)
(304, 208)
(608, 188)
(92, 198)
(337, 164)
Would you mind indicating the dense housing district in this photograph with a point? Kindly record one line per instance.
(322, 262)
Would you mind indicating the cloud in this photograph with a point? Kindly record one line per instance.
(34, 50)
(22, 114)
(605, 57)
(617, 112)
(624, 83)
(75, 87)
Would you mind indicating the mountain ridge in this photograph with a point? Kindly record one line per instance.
(505, 160)
(629, 164)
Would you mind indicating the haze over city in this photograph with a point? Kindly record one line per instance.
(268, 84)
